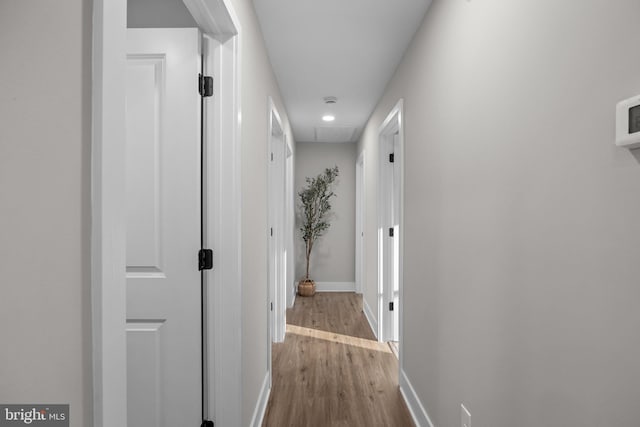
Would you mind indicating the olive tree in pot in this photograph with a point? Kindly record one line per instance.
(315, 206)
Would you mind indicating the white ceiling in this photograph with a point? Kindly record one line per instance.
(343, 48)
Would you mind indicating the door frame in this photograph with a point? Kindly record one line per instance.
(280, 222)
(217, 19)
(290, 286)
(393, 123)
(360, 219)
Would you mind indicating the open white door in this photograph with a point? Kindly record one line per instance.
(163, 228)
(394, 273)
(390, 226)
(389, 183)
(278, 154)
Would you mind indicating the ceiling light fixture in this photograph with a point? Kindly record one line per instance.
(328, 118)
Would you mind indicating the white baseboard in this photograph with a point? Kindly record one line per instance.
(261, 404)
(358, 288)
(418, 413)
(291, 299)
(335, 286)
(373, 323)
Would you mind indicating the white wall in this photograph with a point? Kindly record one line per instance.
(522, 230)
(45, 139)
(333, 256)
(158, 14)
(257, 84)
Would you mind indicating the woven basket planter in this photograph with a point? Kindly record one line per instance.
(306, 288)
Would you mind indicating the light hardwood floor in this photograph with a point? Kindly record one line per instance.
(330, 371)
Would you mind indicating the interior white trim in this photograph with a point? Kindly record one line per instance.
(335, 286)
(368, 313)
(418, 413)
(224, 315)
(108, 290)
(218, 19)
(293, 297)
(360, 215)
(261, 404)
(214, 17)
(290, 228)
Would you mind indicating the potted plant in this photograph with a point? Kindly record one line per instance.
(315, 205)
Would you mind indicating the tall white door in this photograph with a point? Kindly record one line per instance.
(395, 243)
(277, 264)
(277, 258)
(163, 228)
(390, 256)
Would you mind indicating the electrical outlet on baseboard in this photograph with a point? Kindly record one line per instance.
(465, 417)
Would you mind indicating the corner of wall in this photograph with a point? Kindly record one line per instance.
(261, 404)
(371, 318)
(418, 413)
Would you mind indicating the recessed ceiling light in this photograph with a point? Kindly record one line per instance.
(328, 118)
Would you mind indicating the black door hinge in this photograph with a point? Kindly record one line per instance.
(205, 85)
(207, 423)
(392, 158)
(205, 259)
(391, 306)
(271, 231)
(271, 306)
(390, 231)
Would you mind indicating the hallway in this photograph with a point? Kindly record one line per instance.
(518, 235)
(330, 370)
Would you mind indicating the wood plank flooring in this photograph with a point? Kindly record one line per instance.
(330, 371)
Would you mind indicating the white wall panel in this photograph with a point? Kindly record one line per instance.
(45, 199)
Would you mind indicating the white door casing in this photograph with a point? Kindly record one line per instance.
(390, 217)
(277, 258)
(289, 229)
(108, 289)
(163, 227)
(360, 215)
(224, 317)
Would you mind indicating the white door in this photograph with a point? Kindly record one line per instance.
(277, 263)
(163, 228)
(390, 244)
(395, 244)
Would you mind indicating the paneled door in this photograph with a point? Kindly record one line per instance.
(163, 228)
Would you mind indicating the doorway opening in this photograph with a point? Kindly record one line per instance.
(277, 265)
(221, 397)
(390, 230)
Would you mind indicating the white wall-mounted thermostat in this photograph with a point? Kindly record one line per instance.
(628, 123)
